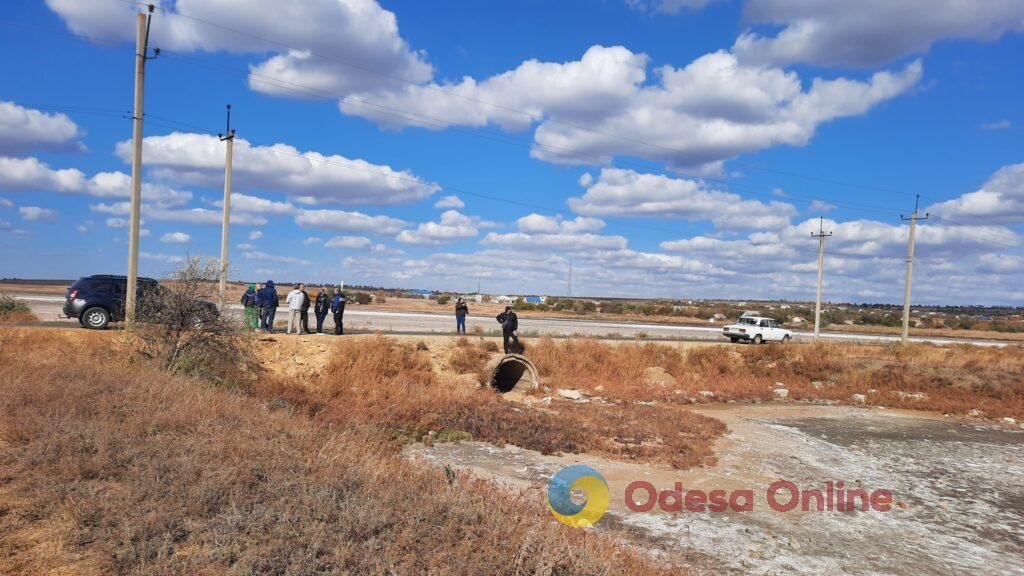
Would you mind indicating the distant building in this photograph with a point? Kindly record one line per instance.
(717, 317)
(797, 320)
(421, 293)
(534, 299)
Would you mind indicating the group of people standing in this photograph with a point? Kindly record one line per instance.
(260, 307)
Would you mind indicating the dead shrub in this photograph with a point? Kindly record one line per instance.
(179, 328)
(14, 312)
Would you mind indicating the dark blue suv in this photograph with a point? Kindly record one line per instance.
(98, 300)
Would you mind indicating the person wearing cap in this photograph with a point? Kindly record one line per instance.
(250, 310)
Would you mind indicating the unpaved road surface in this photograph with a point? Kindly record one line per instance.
(47, 308)
(958, 486)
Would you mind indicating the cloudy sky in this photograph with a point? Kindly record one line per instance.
(669, 148)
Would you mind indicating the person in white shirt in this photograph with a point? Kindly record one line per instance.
(294, 300)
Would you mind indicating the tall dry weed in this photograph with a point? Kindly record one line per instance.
(954, 378)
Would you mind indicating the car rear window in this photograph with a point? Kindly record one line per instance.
(80, 284)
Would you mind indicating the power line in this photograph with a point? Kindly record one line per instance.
(174, 124)
(854, 206)
(533, 116)
(506, 138)
(466, 192)
(509, 139)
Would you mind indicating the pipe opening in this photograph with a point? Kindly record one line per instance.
(512, 371)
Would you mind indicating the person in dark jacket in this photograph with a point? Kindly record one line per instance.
(251, 314)
(321, 308)
(304, 311)
(338, 308)
(267, 300)
(461, 310)
(509, 324)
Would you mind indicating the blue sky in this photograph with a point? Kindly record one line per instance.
(671, 148)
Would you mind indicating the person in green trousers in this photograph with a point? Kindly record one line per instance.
(251, 314)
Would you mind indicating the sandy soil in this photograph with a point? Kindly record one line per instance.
(306, 355)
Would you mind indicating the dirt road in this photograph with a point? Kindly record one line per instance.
(960, 505)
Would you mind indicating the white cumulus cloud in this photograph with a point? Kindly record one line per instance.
(354, 242)
(344, 221)
(37, 213)
(452, 226)
(326, 45)
(310, 177)
(23, 129)
(619, 192)
(451, 201)
(175, 238)
(868, 32)
(602, 106)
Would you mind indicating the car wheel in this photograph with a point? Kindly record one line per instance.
(95, 318)
(757, 339)
(733, 339)
(785, 338)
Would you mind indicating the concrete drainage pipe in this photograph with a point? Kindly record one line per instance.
(511, 372)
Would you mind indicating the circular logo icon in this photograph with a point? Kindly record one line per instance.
(578, 496)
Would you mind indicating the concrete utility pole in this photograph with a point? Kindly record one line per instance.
(228, 137)
(570, 276)
(142, 22)
(910, 267)
(821, 261)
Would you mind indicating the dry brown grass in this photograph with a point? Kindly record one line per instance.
(107, 467)
(383, 382)
(470, 357)
(955, 379)
(943, 332)
(13, 312)
(17, 317)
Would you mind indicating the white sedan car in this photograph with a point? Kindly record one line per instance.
(757, 330)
